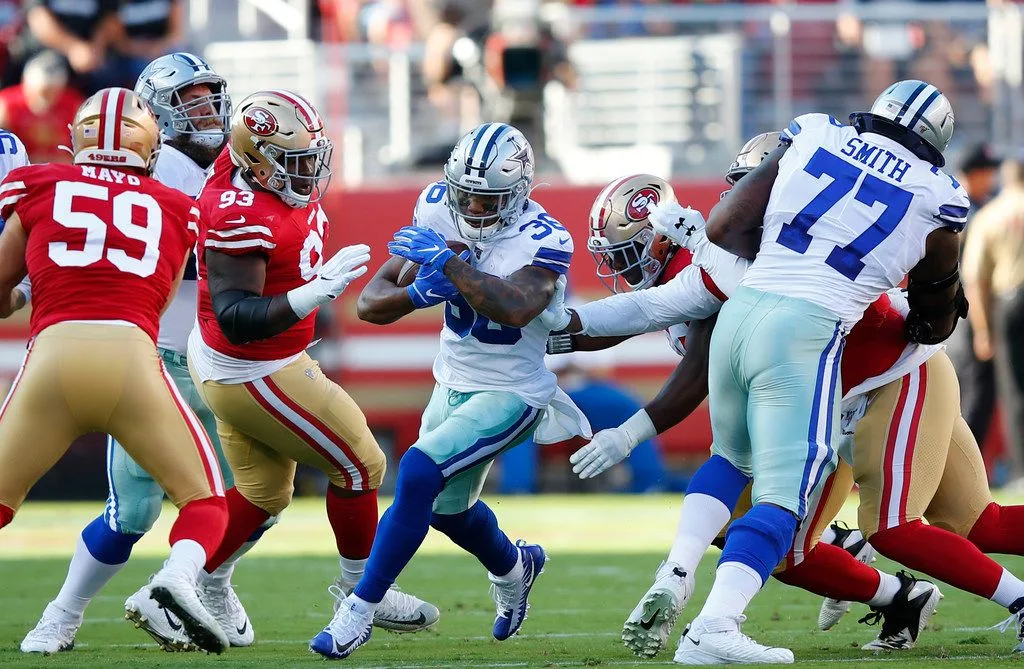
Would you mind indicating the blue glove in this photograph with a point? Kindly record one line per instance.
(422, 246)
(432, 286)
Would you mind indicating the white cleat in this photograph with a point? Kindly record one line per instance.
(175, 591)
(853, 542)
(648, 627)
(347, 631)
(54, 633)
(145, 614)
(224, 605)
(720, 641)
(398, 612)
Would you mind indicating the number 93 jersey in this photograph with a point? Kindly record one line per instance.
(240, 221)
(476, 353)
(848, 216)
(103, 245)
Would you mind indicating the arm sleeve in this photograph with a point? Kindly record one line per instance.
(953, 212)
(684, 298)
(237, 233)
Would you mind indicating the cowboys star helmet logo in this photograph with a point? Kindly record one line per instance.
(260, 121)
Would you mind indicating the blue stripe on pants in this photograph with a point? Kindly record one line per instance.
(112, 500)
(828, 373)
(488, 446)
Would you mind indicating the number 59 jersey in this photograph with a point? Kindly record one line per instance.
(848, 216)
(103, 245)
(476, 353)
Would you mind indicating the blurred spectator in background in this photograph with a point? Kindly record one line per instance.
(40, 108)
(583, 376)
(148, 29)
(993, 273)
(80, 30)
(978, 173)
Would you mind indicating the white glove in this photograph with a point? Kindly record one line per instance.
(676, 222)
(556, 317)
(343, 268)
(610, 447)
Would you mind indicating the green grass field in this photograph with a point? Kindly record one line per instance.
(603, 552)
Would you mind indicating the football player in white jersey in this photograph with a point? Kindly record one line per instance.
(13, 154)
(193, 110)
(847, 213)
(492, 390)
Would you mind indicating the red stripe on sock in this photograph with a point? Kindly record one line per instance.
(940, 554)
(830, 571)
(354, 521)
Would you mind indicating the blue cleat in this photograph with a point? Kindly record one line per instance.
(512, 595)
(347, 631)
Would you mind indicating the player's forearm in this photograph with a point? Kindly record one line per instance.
(581, 342)
(382, 302)
(246, 317)
(687, 387)
(500, 300)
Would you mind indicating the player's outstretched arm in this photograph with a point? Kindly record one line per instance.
(12, 265)
(383, 301)
(735, 223)
(934, 292)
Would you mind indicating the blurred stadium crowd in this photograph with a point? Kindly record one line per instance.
(601, 88)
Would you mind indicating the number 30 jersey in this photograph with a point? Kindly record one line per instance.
(240, 221)
(476, 353)
(103, 245)
(848, 216)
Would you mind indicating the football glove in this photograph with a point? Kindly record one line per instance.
(556, 316)
(432, 287)
(674, 221)
(334, 276)
(421, 245)
(610, 447)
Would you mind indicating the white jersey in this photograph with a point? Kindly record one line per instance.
(848, 216)
(12, 155)
(178, 171)
(477, 354)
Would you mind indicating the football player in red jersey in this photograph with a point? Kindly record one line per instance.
(261, 280)
(105, 246)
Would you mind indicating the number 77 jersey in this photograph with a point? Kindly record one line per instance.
(848, 216)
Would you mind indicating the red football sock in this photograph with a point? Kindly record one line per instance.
(6, 515)
(354, 521)
(203, 521)
(243, 518)
(998, 530)
(940, 554)
(830, 571)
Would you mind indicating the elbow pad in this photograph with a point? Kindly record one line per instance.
(242, 315)
(925, 323)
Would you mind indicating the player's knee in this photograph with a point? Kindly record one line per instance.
(417, 471)
(272, 498)
(761, 538)
(138, 515)
(375, 462)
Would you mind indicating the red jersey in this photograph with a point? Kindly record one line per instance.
(41, 133)
(103, 245)
(237, 221)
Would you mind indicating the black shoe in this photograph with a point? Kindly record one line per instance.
(903, 620)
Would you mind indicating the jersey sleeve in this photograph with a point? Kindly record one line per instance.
(12, 190)
(432, 211)
(952, 213)
(554, 252)
(806, 122)
(236, 233)
(685, 298)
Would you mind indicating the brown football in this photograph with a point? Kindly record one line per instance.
(407, 274)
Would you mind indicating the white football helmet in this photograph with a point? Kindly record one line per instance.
(913, 113)
(488, 174)
(622, 240)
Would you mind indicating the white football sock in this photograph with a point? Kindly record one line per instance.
(221, 577)
(187, 555)
(700, 520)
(351, 571)
(86, 577)
(735, 585)
(1009, 590)
(517, 571)
(888, 586)
(361, 606)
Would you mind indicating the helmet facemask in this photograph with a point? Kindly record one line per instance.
(301, 176)
(204, 120)
(637, 261)
(482, 212)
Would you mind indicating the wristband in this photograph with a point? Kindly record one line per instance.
(638, 428)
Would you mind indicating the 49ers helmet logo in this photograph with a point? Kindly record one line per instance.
(260, 121)
(636, 210)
